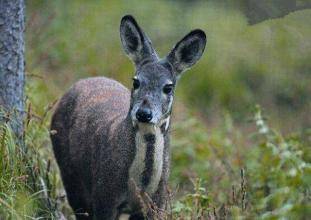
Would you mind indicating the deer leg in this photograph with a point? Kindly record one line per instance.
(76, 197)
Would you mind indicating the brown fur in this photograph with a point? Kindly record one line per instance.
(93, 132)
(82, 141)
(96, 124)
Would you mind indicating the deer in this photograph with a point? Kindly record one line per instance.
(110, 141)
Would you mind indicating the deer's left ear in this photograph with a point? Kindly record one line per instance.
(135, 42)
(187, 51)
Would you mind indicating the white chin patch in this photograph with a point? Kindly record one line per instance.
(147, 127)
(124, 217)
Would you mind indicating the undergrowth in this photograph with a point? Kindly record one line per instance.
(218, 171)
(272, 181)
(29, 184)
(215, 175)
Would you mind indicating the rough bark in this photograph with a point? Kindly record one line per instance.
(12, 24)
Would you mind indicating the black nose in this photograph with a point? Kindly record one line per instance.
(144, 115)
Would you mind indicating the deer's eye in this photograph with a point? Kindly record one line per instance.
(136, 84)
(167, 89)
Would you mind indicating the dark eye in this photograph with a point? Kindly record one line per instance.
(136, 83)
(167, 89)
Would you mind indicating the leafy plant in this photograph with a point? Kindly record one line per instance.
(274, 183)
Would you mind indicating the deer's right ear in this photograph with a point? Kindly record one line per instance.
(187, 51)
(134, 41)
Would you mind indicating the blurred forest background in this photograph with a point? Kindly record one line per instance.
(241, 134)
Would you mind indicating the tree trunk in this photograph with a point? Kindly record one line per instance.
(12, 79)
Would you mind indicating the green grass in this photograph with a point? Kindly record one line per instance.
(235, 163)
(21, 193)
(268, 177)
(243, 65)
(214, 173)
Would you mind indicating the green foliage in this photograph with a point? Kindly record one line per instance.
(258, 174)
(282, 178)
(15, 198)
(30, 185)
(19, 179)
(193, 204)
(243, 65)
(222, 166)
(274, 181)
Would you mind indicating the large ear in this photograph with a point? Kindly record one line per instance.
(134, 41)
(187, 51)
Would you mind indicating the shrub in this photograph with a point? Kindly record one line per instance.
(274, 180)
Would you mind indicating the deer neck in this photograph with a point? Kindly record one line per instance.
(147, 166)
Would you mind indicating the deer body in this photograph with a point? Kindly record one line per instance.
(111, 142)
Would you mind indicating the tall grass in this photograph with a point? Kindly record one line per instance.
(268, 177)
(215, 174)
(231, 165)
(29, 180)
(18, 198)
